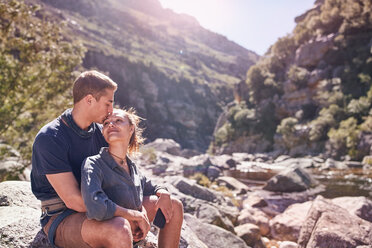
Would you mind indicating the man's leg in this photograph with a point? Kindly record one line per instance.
(169, 236)
(76, 231)
(115, 232)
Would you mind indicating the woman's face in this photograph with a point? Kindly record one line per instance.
(117, 128)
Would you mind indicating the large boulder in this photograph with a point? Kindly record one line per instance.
(291, 180)
(189, 187)
(359, 206)
(312, 52)
(287, 225)
(196, 164)
(19, 216)
(329, 225)
(257, 217)
(213, 236)
(250, 233)
(233, 184)
(211, 215)
(165, 145)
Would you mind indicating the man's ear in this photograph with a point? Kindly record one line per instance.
(88, 99)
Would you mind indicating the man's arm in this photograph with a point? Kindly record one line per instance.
(68, 190)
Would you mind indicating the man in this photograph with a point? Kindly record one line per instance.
(58, 152)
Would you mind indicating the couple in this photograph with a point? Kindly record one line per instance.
(91, 193)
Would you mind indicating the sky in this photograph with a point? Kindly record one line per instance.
(253, 24)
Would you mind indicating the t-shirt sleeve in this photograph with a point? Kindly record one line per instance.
(99, 206)
(51, 155)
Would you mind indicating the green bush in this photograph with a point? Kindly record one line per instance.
(36, 72)
(344, 140)
(328, 118)
(299, 76)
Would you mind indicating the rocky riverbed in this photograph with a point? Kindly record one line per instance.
(277, 202)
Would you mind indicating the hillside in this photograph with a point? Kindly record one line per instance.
(173, 71)
(311, 92)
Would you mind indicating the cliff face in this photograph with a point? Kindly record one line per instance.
(173, 71)
(311, 92)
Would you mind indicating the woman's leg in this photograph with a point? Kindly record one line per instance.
(169, 236)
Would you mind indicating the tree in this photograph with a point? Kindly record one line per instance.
(36, 71)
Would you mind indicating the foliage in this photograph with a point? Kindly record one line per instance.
(36, 66)
(201, 179)
(344, 139)
(299, 76)
(287, 129)
(334, 92)
(261, 84)
(328, 118)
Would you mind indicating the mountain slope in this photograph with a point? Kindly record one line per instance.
(174, 72)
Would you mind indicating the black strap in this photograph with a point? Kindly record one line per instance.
(55, 223)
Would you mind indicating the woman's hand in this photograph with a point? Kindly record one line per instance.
(165, 204)
(139, 221)
(141, 225)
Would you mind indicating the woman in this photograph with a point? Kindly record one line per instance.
(112, 185)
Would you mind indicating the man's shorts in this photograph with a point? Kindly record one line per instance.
(68, 233)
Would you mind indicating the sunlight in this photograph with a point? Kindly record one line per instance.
(210, 13)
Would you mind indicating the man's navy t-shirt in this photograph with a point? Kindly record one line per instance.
(62, 148)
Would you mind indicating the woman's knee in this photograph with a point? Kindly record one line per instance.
(177, 208)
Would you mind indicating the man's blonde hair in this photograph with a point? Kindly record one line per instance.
(93, 83)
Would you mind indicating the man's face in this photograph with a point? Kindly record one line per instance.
(103, 107)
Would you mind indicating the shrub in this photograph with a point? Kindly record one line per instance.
(344, 140)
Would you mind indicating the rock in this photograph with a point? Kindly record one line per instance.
(223, 162)
(288, 244)
(213, 172)
(359, 206)
(189, 238)
(11, 168)
(290, 180)
(19, 216)
(18, 193)
(278, 202)
(257, 217)
(197, 164)
(331, 163)
(211, 215)
(190, 187)
(281, 158)
(213, 236)
(328, 225)
(295, 162)
(353, 164)
(233, 184)
(311, 53)
(249, 233)
(255, 201)
(287, 226)
(165, 145)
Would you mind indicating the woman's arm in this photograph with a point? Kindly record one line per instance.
(98, 205)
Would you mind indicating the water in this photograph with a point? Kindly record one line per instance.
(350, 182)
(338, 182)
